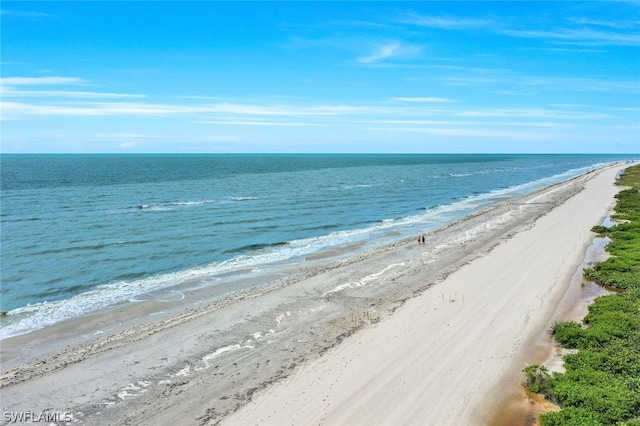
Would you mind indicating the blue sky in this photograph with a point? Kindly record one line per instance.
(405, 77)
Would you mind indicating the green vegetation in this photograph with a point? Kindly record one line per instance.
(622, 269)
(601, 385)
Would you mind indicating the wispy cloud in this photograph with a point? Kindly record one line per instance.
(10, 93)
(124, 136)
(525, 83)
(427, 99)
(532, 113)
(578, 31)
(578, 36)
(13, 110)
(573, 50)
(14, 88)
(474, 133)
(445, 23)
(305, 115)
(467, 123)
(40, 81)
(414, 116)
(382, 52)
(258, 123)
(24, 14)
(617, 24)
(395, 50)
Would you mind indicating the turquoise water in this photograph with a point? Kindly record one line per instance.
(83, 232)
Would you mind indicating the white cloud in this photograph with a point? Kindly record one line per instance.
(8, 92)
(427, 99)
(39, 81)
(532, 113)
(554, 84)
(390, 50)
(580, 36)
(445, 23)
(8, 84)
(460, 123)
(475, 133)
(24, 14)
(617, 24)
(123, 136)
(582, 31)
(12, 110)
(256, 123)
(382, 52)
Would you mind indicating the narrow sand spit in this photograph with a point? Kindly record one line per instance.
(406, 334)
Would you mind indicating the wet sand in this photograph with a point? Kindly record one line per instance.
(410, 334)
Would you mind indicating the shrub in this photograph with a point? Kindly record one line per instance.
(570, 416)
(568, 334)
(604, 394)
(599, 229)
(537, 380)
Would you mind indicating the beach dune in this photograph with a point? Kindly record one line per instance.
(408, 334)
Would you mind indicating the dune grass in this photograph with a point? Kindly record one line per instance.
(601, 385)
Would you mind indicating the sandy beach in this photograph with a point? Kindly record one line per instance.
(406, 334)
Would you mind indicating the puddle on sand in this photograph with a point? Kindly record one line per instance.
(519, 407)
(523, 410)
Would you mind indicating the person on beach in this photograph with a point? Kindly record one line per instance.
(419, 239)
(423, 239)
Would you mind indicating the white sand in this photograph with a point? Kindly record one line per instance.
(439, 359)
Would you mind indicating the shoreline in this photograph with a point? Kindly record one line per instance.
(212, 359)
(236, 277)
(222, 295)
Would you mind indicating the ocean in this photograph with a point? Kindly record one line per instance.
(81, 233)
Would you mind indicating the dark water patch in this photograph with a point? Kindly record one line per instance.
(255, 247)
(326, 227)
(53, 294)
(130, 276)
(74, 289)
(245, 221)
(263, 228)
(28, 219)
(92, 247)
